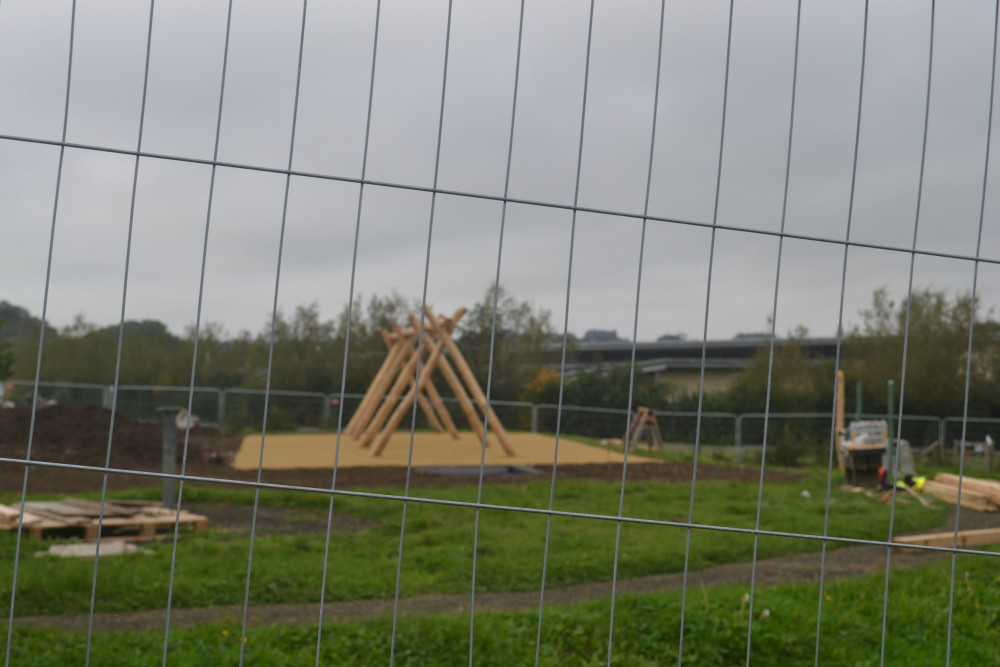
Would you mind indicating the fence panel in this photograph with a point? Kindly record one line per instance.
(61, 392)
(287, 410)
(141, 402)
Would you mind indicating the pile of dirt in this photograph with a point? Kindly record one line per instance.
(78, 435)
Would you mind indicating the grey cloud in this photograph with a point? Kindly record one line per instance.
(185, 70)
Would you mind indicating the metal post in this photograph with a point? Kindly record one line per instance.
(220, 407)
(942, 434)
(857, 401)
(739, 433)
(892, 437)
(169, 415)
(534, 418)
(327, 402)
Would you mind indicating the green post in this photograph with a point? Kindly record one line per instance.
(857, 402)
(892, 436)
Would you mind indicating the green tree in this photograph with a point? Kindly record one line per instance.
(936, 356)
(305, 351)
(798, 382)
(6, 356)
(367, 350)
(520, 346)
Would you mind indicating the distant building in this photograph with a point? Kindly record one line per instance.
(601, 336)
(679, 362)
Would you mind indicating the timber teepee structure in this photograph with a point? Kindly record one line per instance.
(384, 405)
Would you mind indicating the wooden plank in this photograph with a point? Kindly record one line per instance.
(9, 513)
(966, 538)
(986, 487)
(40, 509)
(970, 499)
(111, 508)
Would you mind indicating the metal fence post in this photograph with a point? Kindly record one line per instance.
(534, 418)
(739, 433)
(169, 415)
(218, 406)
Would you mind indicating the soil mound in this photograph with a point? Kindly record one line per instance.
(78, 434)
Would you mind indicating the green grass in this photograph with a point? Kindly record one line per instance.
(646, 630)
(437, 556)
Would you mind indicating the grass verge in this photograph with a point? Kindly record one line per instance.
(646, 630)
(437, 549)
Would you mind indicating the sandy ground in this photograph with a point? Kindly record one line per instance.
(313, 450)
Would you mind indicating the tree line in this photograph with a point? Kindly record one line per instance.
(308, 350)
(308, 355)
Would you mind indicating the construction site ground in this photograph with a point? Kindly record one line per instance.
(79, 435)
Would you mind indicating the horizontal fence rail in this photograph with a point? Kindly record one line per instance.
(291, 410)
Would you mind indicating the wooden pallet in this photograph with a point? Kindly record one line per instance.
(73, 517)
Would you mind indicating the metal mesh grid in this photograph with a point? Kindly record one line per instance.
(712, 224)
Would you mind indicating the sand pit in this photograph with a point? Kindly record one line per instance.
(311, 450)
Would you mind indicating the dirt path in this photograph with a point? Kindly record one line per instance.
(793, 568)
(840, 563)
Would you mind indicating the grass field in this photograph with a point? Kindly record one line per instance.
(437, 550)
(647, 628)
(437, 559)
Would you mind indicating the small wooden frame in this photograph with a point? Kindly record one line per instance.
(644, 424)
(398, 384)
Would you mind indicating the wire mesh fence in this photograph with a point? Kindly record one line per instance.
(653, 167)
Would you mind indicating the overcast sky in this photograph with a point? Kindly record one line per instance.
(185, 72)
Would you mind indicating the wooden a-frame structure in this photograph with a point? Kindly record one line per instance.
(384, 404)
(644, 419)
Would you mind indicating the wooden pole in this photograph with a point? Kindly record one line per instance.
(372, 398)
(473, 385)
(657, 436)
(456, 387)
(463, 398)
(441, 420)
(428, 410)
(377, 381)
(405, 377)
(442, 411)
(416, 389)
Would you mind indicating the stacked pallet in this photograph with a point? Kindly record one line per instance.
(74, 517)
(982, 495)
